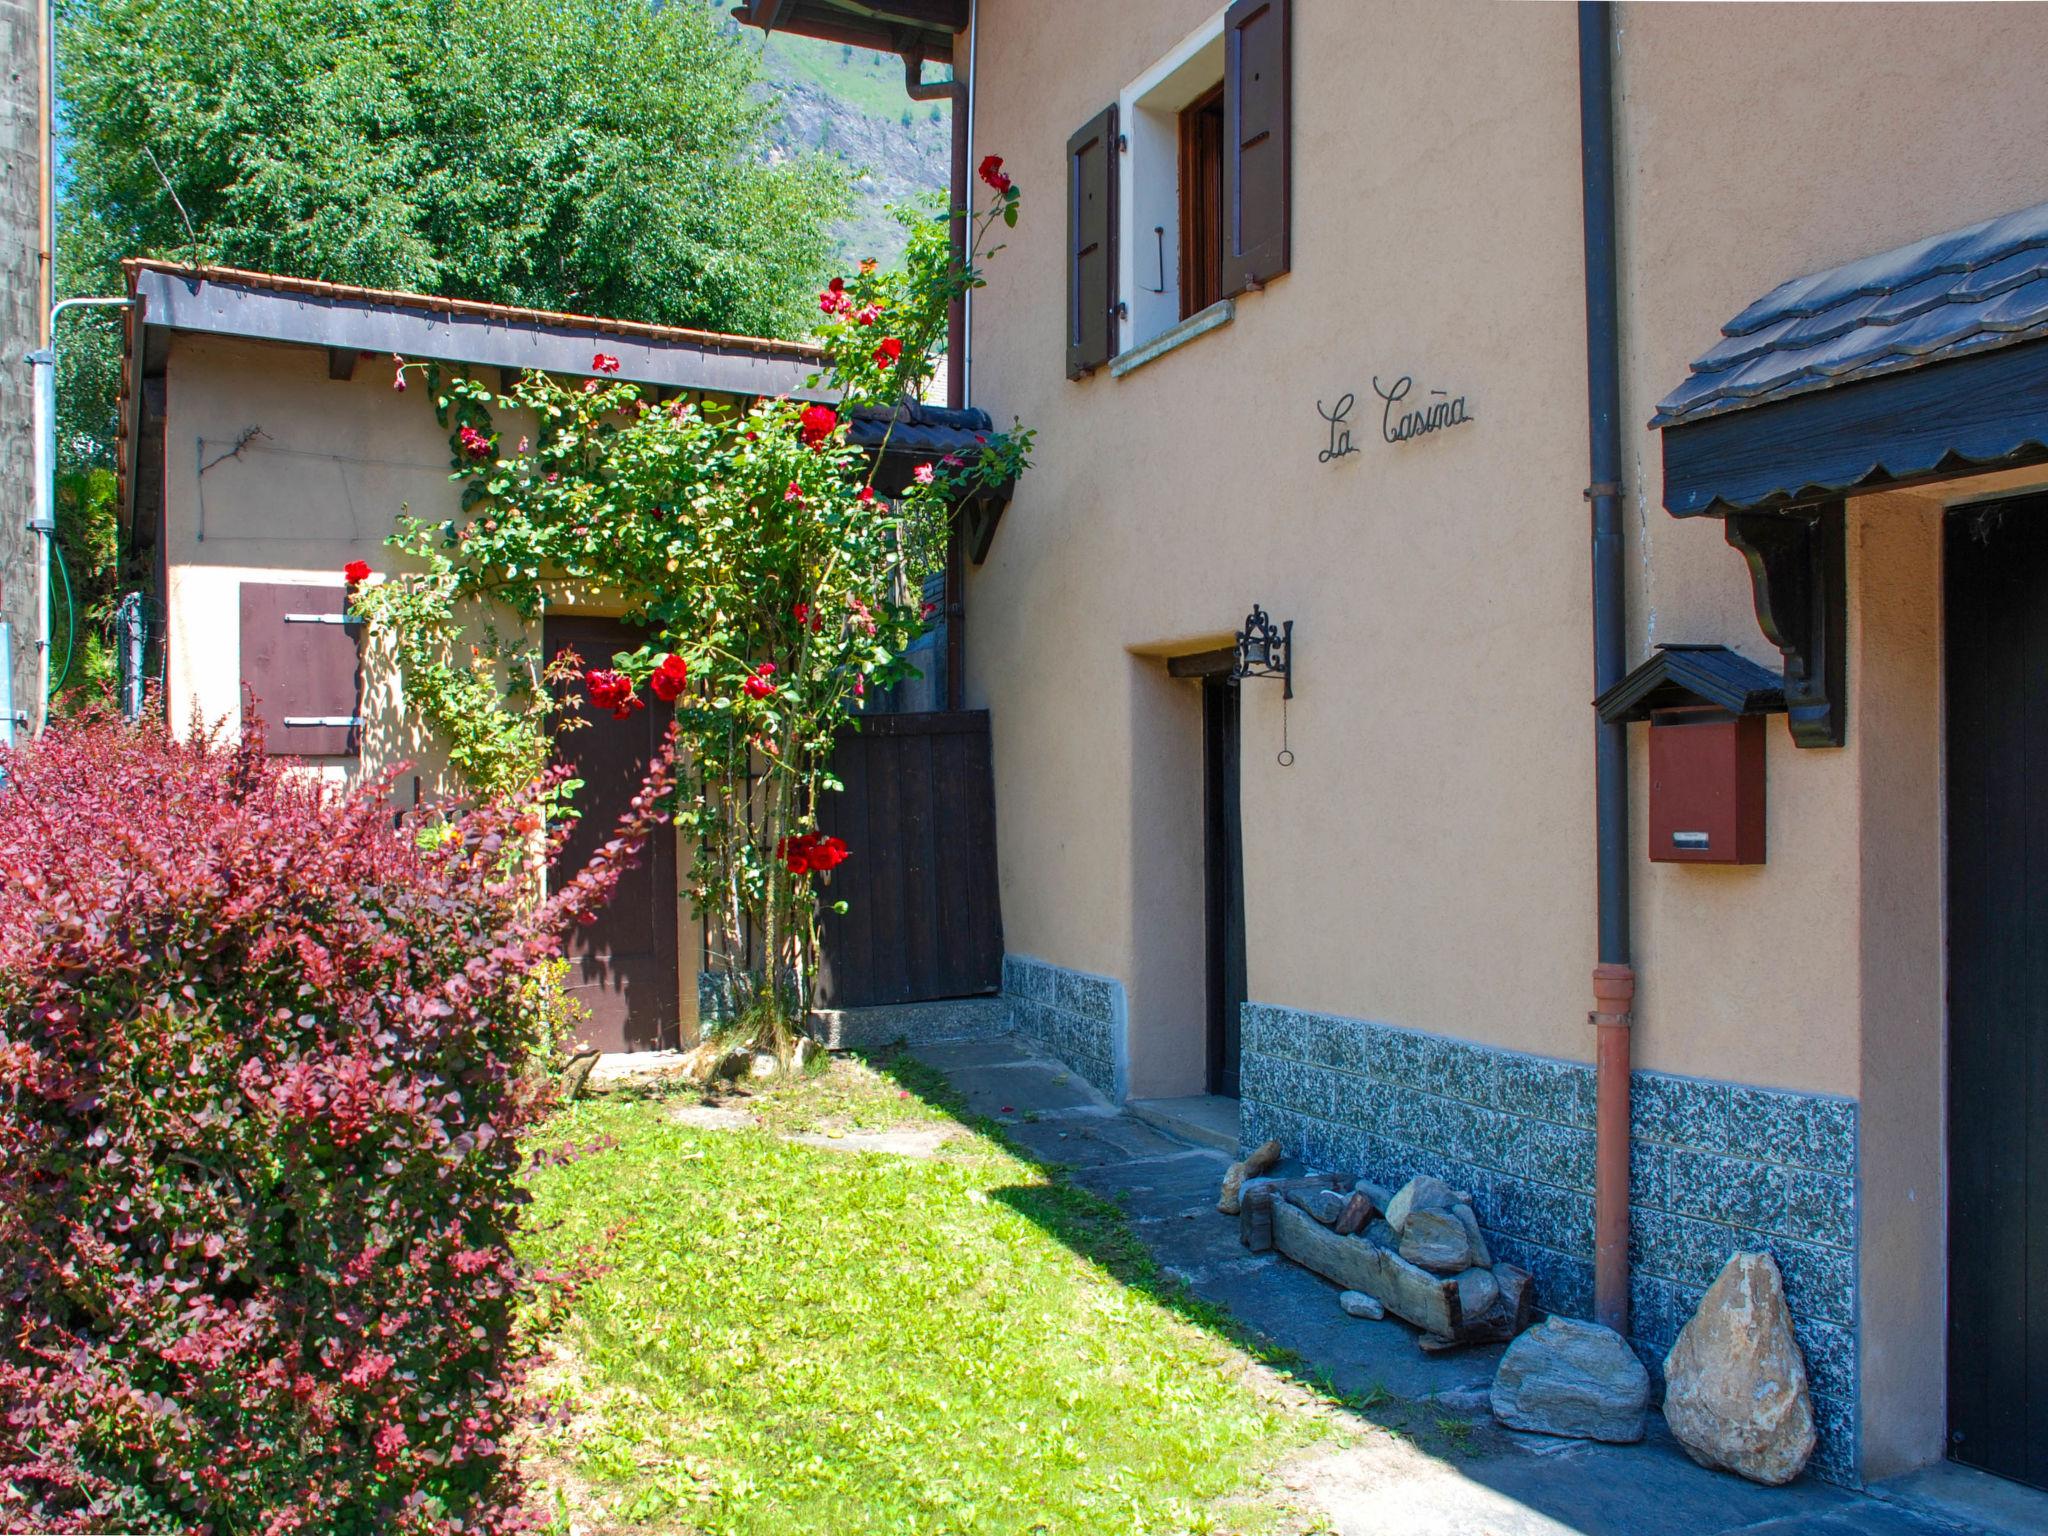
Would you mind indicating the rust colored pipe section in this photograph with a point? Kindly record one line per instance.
(1614, 992)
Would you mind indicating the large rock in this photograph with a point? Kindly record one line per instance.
(1419, 1194)
(1436, 1240)
(1574, 1379)
(1259, 1162)
(1481, 1254)
(1735, 1390)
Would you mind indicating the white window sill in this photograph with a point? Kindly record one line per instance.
(1200, 323)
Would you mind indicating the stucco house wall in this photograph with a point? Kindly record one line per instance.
(1419, 884)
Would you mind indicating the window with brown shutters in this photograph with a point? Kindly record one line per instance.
(1257, 108)
(302, 660)
(1091, 244)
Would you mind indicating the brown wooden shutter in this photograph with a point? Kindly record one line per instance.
(1091, 244)
(1257, 133)
(302, 662)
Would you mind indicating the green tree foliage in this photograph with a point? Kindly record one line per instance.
(600, 156)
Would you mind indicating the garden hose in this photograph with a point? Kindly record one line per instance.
(58, 679)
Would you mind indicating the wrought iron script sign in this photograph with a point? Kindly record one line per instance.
(1340, 429)
(1440, 410)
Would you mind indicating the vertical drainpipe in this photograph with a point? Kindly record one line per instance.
(954, 90)
(1614, 981)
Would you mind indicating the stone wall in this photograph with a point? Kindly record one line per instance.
(1715, 1168)
(20, 248)
(1078, 1017)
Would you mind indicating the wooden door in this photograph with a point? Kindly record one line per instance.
(1996, 565)
(623, 967)
(1224, 864)
(922, 921)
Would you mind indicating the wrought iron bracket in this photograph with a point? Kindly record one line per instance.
(1798, 572)
(1265, 649)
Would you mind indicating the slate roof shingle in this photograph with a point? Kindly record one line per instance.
(1950, 295)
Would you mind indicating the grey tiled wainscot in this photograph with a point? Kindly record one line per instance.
(1076, 1016)
(1715, 1167)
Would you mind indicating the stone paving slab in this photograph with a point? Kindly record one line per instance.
(1507, 1484)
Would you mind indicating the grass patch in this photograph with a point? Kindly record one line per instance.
(787, 1338)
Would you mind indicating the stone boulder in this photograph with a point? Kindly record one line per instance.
(1735, 1389)
(1260, 1161)
(1436, 1241)
(1419, 1194)
(1573, 1379)
(1358, 1304)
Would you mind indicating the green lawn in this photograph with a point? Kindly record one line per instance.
(794, 1338)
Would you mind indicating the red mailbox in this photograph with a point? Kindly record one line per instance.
(1706, 787)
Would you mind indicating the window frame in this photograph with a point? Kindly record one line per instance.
(1149, 212)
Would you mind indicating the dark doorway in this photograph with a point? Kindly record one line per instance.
(1223, 856)
(623, 967)
(1996, 577)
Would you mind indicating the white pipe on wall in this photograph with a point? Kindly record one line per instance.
(43, 520)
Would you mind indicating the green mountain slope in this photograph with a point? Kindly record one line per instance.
(850, 102)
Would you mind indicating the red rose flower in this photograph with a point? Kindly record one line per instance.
(398, 379)
(826, 853)
(888, 352)
(795, 852)
(474, 443)
(833, 301)
(760, 686)
(613, 691)
(670, 678)
(356, 572)
(868, 314)
(867, 494)
(993, 173)
(817, 423)
(604, 362)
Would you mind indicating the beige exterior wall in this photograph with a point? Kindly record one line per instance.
(1428, 861)
(333, 464)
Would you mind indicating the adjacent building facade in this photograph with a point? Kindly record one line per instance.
(1298, 306)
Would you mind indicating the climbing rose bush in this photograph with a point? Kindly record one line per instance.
(264, 1062)
(775, 575)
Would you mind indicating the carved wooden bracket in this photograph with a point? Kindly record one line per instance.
(1798, 568)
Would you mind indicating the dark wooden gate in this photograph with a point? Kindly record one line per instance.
(1997, 672)
(918, 815)
(623, 967)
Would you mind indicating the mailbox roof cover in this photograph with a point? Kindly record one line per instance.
(1679, 675)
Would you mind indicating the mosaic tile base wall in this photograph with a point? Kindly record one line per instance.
(1078, 1017)
(1715, 1168)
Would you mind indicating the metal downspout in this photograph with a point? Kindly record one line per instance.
(1613, 976)
(956, 349)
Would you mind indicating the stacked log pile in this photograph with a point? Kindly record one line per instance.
(1419, 1252)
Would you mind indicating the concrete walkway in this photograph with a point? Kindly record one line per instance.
(1450, 1471)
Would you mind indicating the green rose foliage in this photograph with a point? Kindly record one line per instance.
(778, 587)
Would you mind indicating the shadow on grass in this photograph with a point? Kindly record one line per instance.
(1099, 1230)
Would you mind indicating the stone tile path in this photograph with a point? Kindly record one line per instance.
(1494, 1483)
